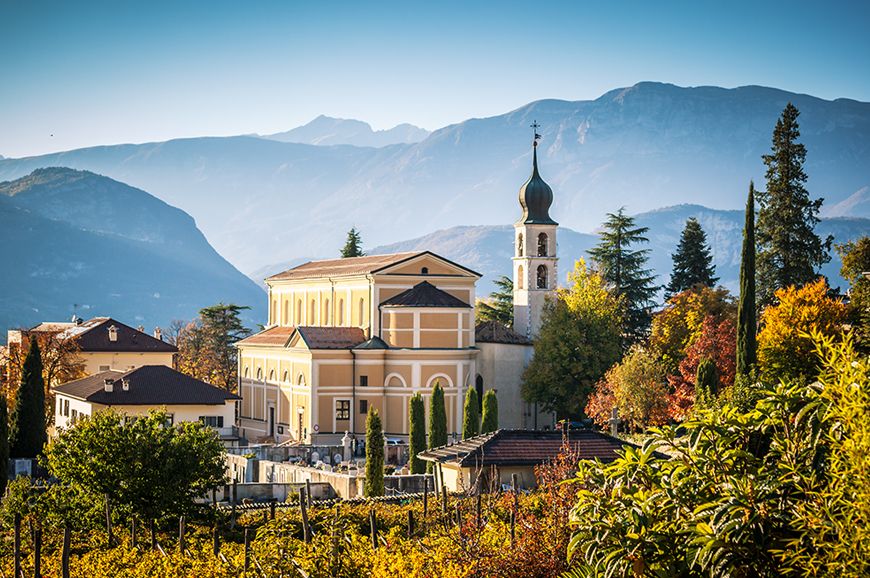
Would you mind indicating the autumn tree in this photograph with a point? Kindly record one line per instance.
(4, 445)
(693, 263)
(715, 344)
(579, 340)
(706, 383)
(623, 267)
(681, 320)
(489, 421)
(636, 387)
(785, 349)
(206, 347)
(27, 434)
(500, 305)
(789, 251)
(855, 257)
(353, 245)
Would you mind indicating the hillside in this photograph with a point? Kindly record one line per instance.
(76, 238)
(261, 201)
(325, 131)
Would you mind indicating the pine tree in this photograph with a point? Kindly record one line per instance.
(500, 306)
(27, 434)
(437, 420)
(470, 414)
(353, 245)
(625, 272)
(790, 253)
(374, 482)
(489, 422)
(706, 383)
(4, 444)
(416, 433)
(221, 327)
(693, 264)
(747, 326)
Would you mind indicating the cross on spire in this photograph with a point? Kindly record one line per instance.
(535, 126)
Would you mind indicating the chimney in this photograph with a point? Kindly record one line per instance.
(109, 385)
(141, 329)
(158, 333)
(113, 333)
(125, 384)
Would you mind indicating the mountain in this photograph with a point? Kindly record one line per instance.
(74, 238)
(325, 130)
(262, 201)
(488, 249)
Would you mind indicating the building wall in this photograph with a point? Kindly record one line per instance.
(98, 361)
(180, 413)
(501, 367)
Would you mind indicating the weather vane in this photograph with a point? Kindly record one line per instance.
(535, 126)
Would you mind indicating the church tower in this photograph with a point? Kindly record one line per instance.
(534, 250)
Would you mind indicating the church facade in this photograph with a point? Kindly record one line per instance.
(346, 336)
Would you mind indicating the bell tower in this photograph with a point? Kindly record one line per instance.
(534, 250)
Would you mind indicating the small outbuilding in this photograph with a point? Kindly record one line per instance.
(489, 460)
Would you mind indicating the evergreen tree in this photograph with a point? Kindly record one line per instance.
(706, 383)
(789, 251)
(27, 433)
(693, 264)
(470, 414)
(4, 444)
(416, 433)
(747, 325)
(489, 422)
(374, 482)
(353, 245)
(500, 306)
(437, 420)
(221, 327)
(855, 257)
(624, 270)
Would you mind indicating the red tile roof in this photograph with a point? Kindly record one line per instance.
(507, 447)
(93, 335)
(344, 267)
(272, 336)
(331, 337)
(495, 332)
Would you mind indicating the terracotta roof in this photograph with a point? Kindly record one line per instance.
(93, 335)
(331, 337)
(344, 267)
(495, 332)
(148, 385)
(424, 295)
(507, 447)
(272, 336)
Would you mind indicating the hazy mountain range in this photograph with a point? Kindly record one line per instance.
(325, 131)
(261, 201)
(73, 239)
(488, 249)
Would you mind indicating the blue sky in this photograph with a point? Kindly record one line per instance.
(76, 74)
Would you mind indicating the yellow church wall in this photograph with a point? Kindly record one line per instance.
(442, 320)
(98, 361)
(439, 339)
(334, 375)
(396, 418)
(398, 338)
(398, 320)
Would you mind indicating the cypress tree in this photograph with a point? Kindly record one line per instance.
(27, 433)
(353, 245)
(693, 264)
(437, 420)
(624, 270)
(470, 414)
(4, 444)
(706, 383)
(746, 312)
(374, 482)
(789, 251)
(489, 423)
(416, 433)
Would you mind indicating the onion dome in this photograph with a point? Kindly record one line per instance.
(536, 196)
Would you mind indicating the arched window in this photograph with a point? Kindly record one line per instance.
(272, 375)
(424, 271)
(395, 380)
(542, 245)
(478, 385)
(247, 372)
(520, 277)
(542, 276)
(260, 374)
(341, 312)
(362, 311)
(326, 312)
(520, 245)
(285, 377)
(312, 311)
(301, 379)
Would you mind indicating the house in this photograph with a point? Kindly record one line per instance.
(348, 335)
(138, 391)
(100, 344)
(492, 459)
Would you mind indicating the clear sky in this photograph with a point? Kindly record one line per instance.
(78, 73)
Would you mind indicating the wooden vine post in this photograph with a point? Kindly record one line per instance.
(109, 521)
(247, 552)
(64, 554)
(303, 505)
(16, 546)
(373, 524)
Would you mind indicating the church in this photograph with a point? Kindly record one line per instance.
(345, 336)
